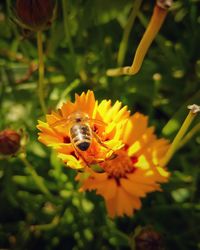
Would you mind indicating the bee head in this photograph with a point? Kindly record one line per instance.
(78, 116)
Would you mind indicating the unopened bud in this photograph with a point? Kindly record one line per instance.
(9, 142)
(34, 14)
(194, 108)
(164, 4)
(148, 239)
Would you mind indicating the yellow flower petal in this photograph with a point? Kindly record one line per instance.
(135, 128)
(67, 108)
(71, 161)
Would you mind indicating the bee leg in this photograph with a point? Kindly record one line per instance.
(113, 156)
(84, 160)
(99, 140)
(79, 155)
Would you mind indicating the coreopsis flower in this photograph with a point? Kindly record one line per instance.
(9, 142)
(34, 14)
(134, 172)
(96, 143)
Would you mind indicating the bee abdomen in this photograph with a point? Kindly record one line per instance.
(81, 136)
(83, 146)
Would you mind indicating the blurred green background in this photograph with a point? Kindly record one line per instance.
(81, 44)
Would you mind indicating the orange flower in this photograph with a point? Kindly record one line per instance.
(133, 173)
(104, 121)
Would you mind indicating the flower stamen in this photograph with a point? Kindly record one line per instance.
(120, 166)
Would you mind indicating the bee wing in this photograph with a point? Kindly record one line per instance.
(98, 122)
(60, 122)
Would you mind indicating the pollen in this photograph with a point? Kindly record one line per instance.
(120, 166)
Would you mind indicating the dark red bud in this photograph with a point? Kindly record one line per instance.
(148, 239)
(9, 142)
(35, 14)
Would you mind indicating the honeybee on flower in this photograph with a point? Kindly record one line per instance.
(81, 132)
(84, 132)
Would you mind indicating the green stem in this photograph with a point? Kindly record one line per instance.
(175, 144)
(127, 30)
(38, 179)
(41, 71)
(189, 135)
(67, 29)
(47, 227)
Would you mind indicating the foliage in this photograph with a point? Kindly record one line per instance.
(81, 44)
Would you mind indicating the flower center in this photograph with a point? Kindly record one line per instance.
(120, 166)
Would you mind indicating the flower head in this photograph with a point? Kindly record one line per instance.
(134, 172)
(34, 14)
(65, 129)
(9, 142)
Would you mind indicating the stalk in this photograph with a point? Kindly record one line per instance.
(189, 135)
(194, 109)
(152, 29)
(127, 30)
(38, 179)
(67, 29)
(41, 71)
(47, 227)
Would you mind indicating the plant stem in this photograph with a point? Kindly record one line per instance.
(47, 227)
(38, 179)
(175, 144)
(127, 30)
(41, 71)
(67, 29)
(189, 135)
(151, 31)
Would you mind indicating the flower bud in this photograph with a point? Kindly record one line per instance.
(34, 14)
(9, 142)
(148, 239)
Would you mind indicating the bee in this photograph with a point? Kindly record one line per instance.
(81, 133)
